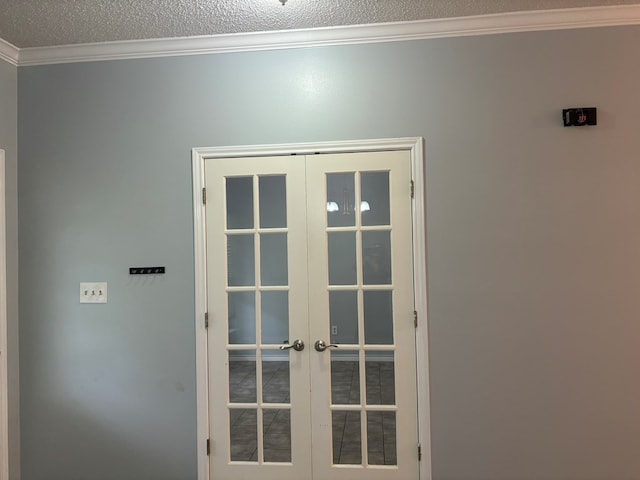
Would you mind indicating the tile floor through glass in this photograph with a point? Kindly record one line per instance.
(345, 385)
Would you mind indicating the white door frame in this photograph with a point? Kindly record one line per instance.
(4, 399)
(415, 145)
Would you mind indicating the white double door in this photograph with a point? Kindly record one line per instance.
(311, 339)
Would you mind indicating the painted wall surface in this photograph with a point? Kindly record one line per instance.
(533, 234)
(9, 143)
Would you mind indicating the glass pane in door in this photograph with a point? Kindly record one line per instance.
(273, 259)
(378, 317)
(242, 376)
(276, 427)
(343, 316)
(345, 377)
(376, 257)
(242, 317)
(380, 378)
(381, 438)
(241, 260)
(375, 205)
(347, 443)
(239, 202)
(275, 376)
(273, 201)
(342, 258)
(275, 317)
(243, 424)
(341, 200)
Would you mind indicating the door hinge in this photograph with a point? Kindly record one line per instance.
(204, 196)
(413, 188)
(419, 452)
(206, 320)
(415, 319)
(208, 446)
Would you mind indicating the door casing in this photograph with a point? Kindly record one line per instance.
(415, 145)
(4, 398)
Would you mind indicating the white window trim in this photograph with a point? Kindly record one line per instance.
(416, 147)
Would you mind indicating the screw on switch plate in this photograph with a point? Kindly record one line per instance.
(93, 292)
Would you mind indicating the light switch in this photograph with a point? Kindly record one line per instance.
(93, 292)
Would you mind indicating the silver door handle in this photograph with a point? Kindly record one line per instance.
(320, 346)
(297, 345)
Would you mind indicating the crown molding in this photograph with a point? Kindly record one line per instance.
(557, 19)
(9, 53)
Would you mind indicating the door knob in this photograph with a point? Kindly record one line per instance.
(297, 345)
(320, 346)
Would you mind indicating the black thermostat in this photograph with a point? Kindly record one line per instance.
(579, 117)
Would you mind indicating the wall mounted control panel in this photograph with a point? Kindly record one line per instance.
(579, 117)
(93, 292)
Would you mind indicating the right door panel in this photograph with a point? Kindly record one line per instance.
(364, 414)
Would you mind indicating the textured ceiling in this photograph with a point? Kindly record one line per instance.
(36, 23)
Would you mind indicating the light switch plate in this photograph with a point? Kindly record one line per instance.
(93, 292)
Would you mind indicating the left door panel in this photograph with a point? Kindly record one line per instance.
(257, 297)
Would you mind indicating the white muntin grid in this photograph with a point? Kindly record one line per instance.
(361, 347)
(258, 347)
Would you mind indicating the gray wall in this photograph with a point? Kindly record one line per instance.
(533, 234)
(9, 143)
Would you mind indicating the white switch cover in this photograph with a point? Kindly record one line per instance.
(93, 292)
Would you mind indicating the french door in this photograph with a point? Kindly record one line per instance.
(311, 340)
